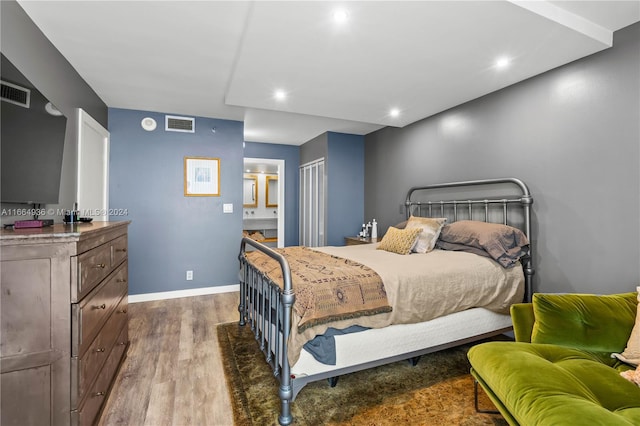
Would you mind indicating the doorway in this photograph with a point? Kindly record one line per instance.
(266, 211)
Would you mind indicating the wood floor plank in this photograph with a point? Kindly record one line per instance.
(183, 410)
(160, 410)
(173, 374)
(186, 335)
(202, 393)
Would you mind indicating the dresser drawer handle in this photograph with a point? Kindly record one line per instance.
(121, 280)
(100, 265)
(122, 343)
(100, 350)
(124, 250)
(122, 311)
(99, 394)
(103, 306)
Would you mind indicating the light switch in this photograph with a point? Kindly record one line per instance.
(227, 208)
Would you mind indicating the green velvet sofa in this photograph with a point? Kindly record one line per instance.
(560, 371)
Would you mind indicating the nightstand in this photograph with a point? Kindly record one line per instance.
(352, 241)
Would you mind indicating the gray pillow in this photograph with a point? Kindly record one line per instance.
(505, 244)
(401, 225)
(443, 245)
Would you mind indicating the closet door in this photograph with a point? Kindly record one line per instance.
(312, 204)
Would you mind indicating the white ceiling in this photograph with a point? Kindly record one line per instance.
(225, 59)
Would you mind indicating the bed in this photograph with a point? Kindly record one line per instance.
(456, 292)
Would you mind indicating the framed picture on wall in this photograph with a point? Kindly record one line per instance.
(201, 177)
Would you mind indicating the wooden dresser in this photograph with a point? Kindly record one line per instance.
(63, 321)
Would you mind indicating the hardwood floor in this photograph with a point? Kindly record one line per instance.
(173, 372)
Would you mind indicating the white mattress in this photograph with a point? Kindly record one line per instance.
(380, 343)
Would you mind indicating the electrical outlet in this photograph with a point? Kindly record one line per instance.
(189, 275)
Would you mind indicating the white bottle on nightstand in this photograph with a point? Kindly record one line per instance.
(374, 229)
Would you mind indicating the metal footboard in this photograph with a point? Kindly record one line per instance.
(267, 309)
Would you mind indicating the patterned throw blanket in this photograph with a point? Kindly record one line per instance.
(327, 288)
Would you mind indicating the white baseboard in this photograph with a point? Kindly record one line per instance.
(147, 297)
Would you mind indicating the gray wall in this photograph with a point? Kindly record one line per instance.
(171, 233)
(32, 53)
(572, 134)
(315, 149)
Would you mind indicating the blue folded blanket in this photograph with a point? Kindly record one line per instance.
(323, 347)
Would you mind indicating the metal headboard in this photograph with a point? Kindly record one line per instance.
(494, 209)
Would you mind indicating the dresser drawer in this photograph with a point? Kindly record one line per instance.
(92, 266)
(90, 314)
(118, 250)
(85, 369)
(86, 414)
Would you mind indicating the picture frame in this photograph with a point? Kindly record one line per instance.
(201, 177)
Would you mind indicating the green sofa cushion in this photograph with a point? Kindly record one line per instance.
(543, 384)
(591, 322)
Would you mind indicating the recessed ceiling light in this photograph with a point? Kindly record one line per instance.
(394, 112)
(280, 95)
(502, 62)
(340, 15)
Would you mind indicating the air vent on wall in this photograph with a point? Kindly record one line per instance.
(173, 123)
(15, 94)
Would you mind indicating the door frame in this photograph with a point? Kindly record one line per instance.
(280, 163)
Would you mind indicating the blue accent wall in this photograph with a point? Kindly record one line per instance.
(171, 233)
(291, 156)
(345, 186)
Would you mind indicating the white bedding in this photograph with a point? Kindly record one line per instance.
(421, 287)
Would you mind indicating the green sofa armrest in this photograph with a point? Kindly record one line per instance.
(523, 320)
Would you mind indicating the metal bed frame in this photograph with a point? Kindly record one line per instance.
(268, 308)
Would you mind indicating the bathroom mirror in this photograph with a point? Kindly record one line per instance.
(250, 191)
(272, 191)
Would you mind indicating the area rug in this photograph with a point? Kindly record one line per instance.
(437, 391)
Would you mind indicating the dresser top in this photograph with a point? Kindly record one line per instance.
(58, 232)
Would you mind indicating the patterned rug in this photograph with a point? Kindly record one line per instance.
(437, 391)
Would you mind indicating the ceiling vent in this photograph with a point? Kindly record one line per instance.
(174, 123)
(15, 94)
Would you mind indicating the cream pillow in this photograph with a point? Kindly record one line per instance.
(431, 228)
(399, 241)
(631, 354)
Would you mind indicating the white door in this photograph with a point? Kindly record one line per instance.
(93, 168)
(312, 204)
